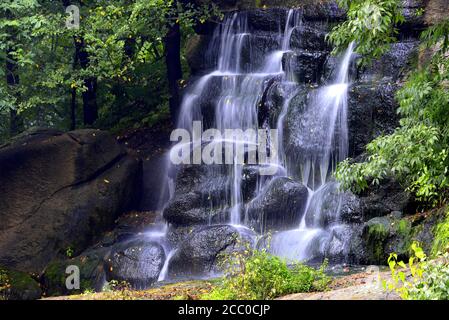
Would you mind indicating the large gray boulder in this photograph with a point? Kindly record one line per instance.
(59, 191)
(202, 194)
(200, 253)
(279, 207)
(137, 262)
(371, 112)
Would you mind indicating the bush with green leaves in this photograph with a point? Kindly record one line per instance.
(259, 275)
(124, 42)
(416, 153)
(441, 237)
(421, 279)
(371, 24)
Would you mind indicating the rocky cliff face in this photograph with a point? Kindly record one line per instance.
(59, 191)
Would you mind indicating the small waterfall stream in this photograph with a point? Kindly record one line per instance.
(238, 85)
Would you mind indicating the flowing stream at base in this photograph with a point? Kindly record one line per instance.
(241, 84)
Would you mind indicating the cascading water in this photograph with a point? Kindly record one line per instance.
(229, 98)
(325, 142)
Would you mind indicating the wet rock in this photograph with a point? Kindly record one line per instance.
(272, 102)
(357, 247)
(130, 224)
(61, 190)
(278, 207)
(310, 37)
(189, 209)
(137, 262)
(256, 49)
(176, 235)
(293, 120)
(338, 247)
(371, 112)
(202, 194)
(385, 235)
(329, 206)
(385, 198)
(351, 210)
(327, 10)
(202, 250)
(267, 20)
(307, 66)
(393, 64)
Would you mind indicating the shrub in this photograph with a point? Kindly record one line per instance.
(416, 153)
(371, 24)
(441, 237)
(428, 280)
(258, 275)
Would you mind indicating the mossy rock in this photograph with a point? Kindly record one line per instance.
(91, 269)
(375, 234)
(395, 234)
(16, 285)
(385, 235)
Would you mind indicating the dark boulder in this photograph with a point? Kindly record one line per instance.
(60, 190)
(190, 209)
(137, 262)
(389, 196)
(350, 208)
(202, 194)
(393, 64)
(327, 10)
(384, 235)
(200, 253)
(310, 37)
(130, 224)
(267, 20)
(328, 206)
(280, 206)
(307, 66)
(339, 244)
(371, 112)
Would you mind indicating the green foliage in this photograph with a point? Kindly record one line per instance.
(420, 279)
(416, 153)
(371, 24)
(256, 274)
(441, 237)
(69, 252)
(124, 41)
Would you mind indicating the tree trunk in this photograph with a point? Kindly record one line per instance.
(174, 68)
(90, 108)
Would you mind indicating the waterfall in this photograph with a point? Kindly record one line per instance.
(325, 116)
(229, 97)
